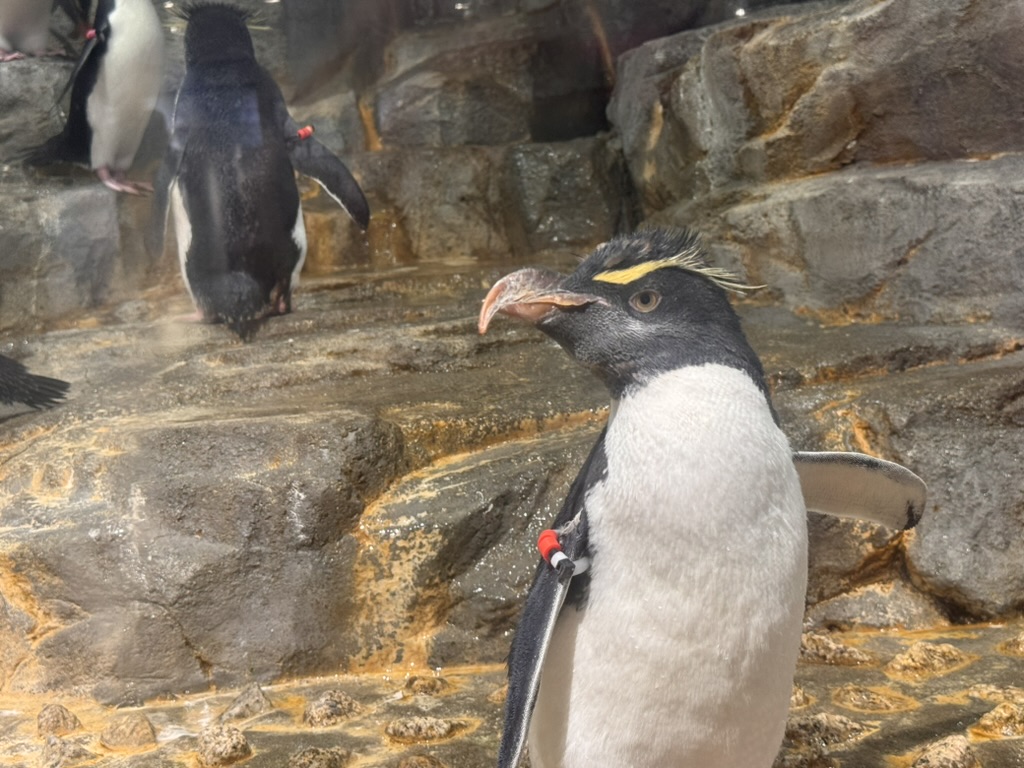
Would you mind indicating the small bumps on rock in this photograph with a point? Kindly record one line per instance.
(59, 753)
(924, 660)
(1005, 721)
(996, 693)
(222, 745)
(420, 761)
(819, 732)
(56, 720)
(131, 731)
(950, 752)
(799, 698)
(317, 757)
(330, 708)
(249, 703)
(414, 729)
(862, 699)
(824, 649)
(429, 686)
(1014, 647)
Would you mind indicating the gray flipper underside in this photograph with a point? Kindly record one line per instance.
(861, 487)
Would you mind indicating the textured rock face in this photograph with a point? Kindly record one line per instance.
(820, 97)
(809, 90)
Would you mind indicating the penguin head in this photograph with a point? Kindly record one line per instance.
(216, 32)
(640, 305)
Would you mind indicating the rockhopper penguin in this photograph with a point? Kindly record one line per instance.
(662, 628)
(114, 89)
(229, 174)
(17, 385)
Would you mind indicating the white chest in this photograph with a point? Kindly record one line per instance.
(691, 628)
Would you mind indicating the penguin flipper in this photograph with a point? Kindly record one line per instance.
(544, 603)
(90, 44)
(861, 487)
(17, 385)
(311, 158)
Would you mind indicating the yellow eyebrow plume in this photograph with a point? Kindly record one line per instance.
(688, 260)
(631, 274)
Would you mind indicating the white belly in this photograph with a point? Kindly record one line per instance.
(127, 85)
(684, 653)
(182, 233)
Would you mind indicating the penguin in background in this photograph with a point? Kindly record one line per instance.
(114, 89)
(25, 26)
(229, 177)
(663, 624)
(17, 385)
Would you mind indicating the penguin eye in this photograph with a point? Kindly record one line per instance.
(645, 301)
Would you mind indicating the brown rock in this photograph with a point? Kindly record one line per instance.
(59, 753)
(420, 761)
(318, 757)
(251, 701)
(923, 660)
(130, 731)
(414, 729)
(822, 729)
(951, 752)
(825, 649)
(1014, 646)
(862, 699)
(1006, 721)
(330, 708)
(56, 720)
(430, 686)
(222, 745)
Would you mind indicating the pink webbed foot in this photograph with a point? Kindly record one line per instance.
(116, 181)
(10, 55)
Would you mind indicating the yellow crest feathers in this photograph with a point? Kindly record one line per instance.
(689, 259)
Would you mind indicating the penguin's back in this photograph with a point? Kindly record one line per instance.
(236, 177)
(683, 651)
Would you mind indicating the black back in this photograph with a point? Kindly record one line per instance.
(233, 167)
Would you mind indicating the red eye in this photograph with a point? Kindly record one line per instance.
(645, 301)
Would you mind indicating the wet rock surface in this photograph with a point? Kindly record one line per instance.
(846, 717)
(361, 487)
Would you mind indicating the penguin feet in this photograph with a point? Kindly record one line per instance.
(281, 299)
(10, 55)
(116, 181)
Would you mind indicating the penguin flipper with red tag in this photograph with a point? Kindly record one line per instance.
(311, 158)
(553, 591)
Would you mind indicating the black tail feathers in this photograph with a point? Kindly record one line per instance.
(17, 385)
